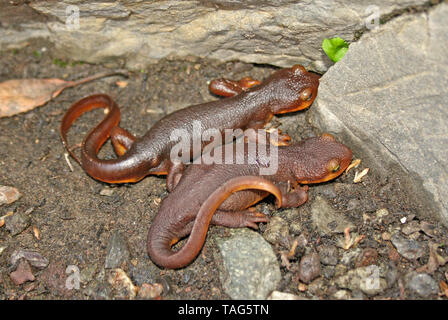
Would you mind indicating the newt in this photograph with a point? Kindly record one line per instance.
(225, 193)
(248, 104)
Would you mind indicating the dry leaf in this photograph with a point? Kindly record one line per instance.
(36, 233)
(21, 95)
(355, 163)
(359, 176)
(122, 84)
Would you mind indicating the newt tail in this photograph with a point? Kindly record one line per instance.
(127, 168)
(159, 247)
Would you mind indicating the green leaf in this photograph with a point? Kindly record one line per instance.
(335, 48)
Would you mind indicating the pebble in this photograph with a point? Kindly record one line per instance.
(150, 291)
(422, 284)
(342, 295)
(381, 213)
(23, 273)
(409, 249)
(317, 287)
(386, 236)
(309, 267)
(327, 190)
(250, 269)
(349, 256)
(411, 227)
(367, 257)
(17, 223)
(123, 285)
(326, 219)
(367, 279)
(8, 195)
(328, 271)
(391, 275)
(277, 295)
(276, 230)
(107, 192)
(33, 257)
(117, 251)
(328, 255)
(428, 228)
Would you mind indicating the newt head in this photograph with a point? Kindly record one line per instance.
(292, 89)
(319, 159)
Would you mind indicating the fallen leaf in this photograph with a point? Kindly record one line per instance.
(36, 233)
(355, 163)
(122, 84)
(21, 95)
(360, 175)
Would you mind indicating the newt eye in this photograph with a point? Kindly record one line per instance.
(333, 165)
(306, 94)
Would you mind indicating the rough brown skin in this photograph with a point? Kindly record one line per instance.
(226, 191)
(249, 105)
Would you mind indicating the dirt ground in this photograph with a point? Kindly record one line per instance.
(75, 221)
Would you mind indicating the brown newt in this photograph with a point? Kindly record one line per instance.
(226, 192)
(249, 104)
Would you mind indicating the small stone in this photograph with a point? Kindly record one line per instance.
(349, 256)
(277, 229)
(422, 284)
(328, 271)
(23, 273)
(123, 285)
(428, 228)
(8, 195)
(107, 192)
(327, 190)
(367, 257)
(386, 236)
(302, 287)
(317, 287)
(309, 267)
(328, 255)
(381, 213)
(342, 295)
(277, 295)
(367, 279)
(17, 223)
(33, 257)
(117, 251)
(411, 227)
(339, 270)
(391, 275)
(250, 269)
(326, 219)
(410, 249)
(403, 220)
(150, 291)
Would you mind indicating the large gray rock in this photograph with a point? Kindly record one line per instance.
(387, 98)
(281, 33)
(250, 269)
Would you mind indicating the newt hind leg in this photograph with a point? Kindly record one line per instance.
(229, 88)
(122, 140)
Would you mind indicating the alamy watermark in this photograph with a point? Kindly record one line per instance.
(261, 146)
(72, 19)
(74, 277)
(372, 20)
